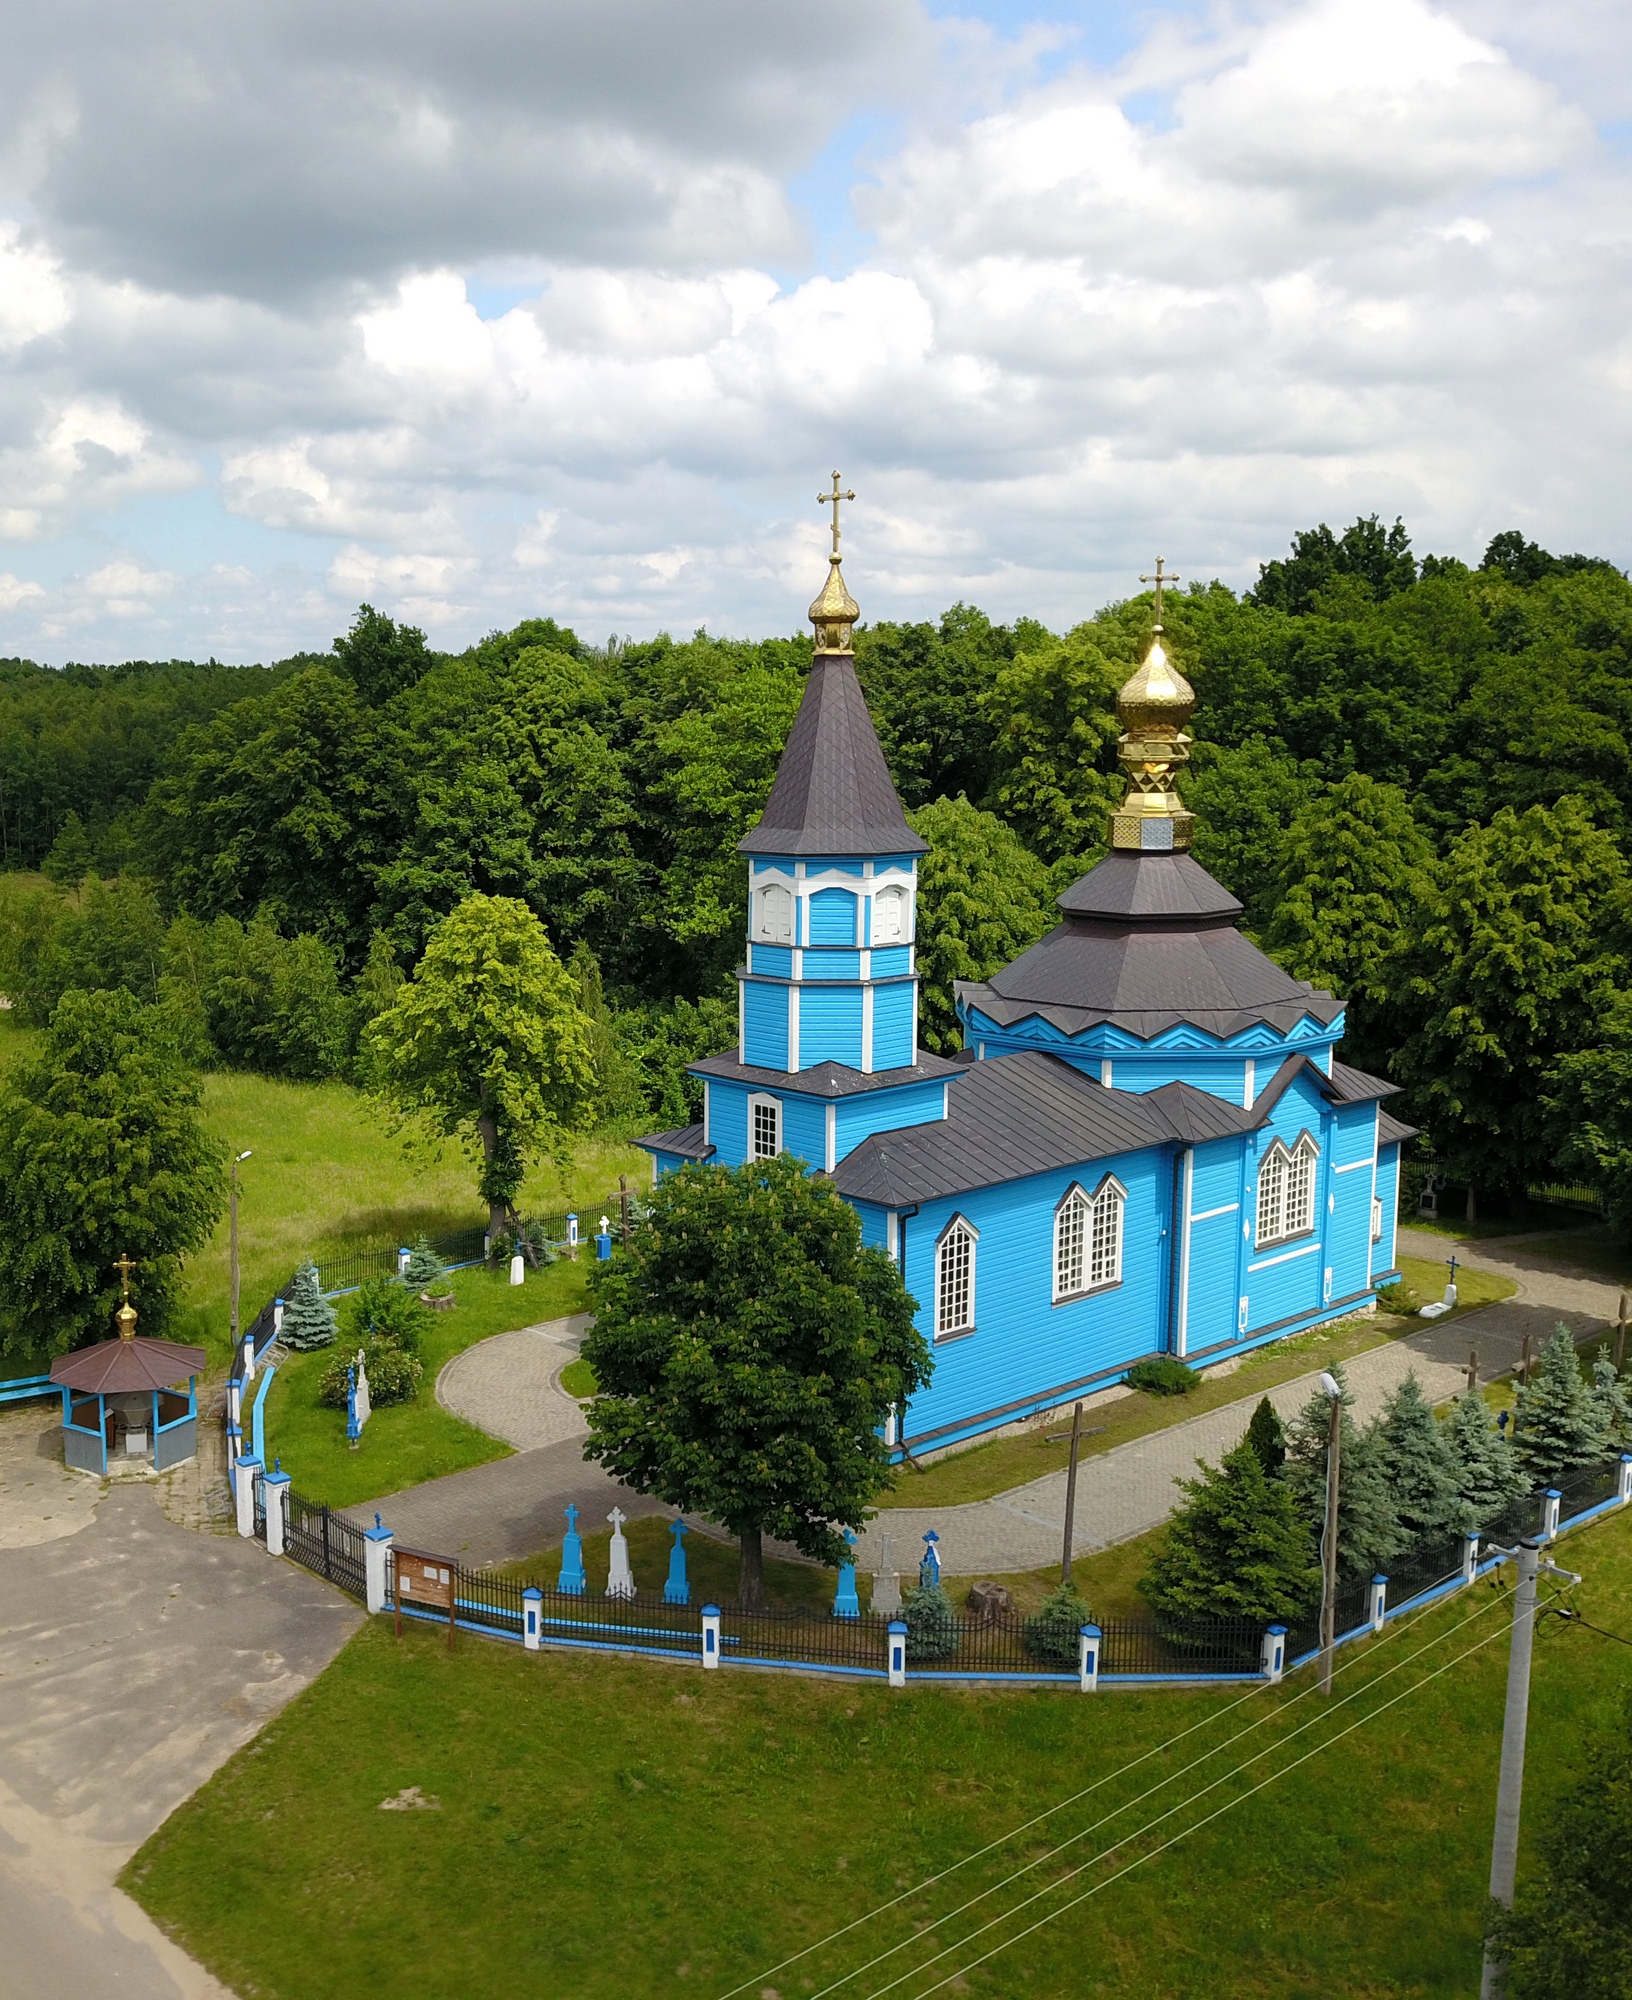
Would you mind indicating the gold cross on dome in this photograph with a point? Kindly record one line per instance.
(1159, 579)
(124, 1267)
(832, 500)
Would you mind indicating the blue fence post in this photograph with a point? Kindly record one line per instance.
(1549, 1513)
(846, 1603)
(895, 1652)
(677, 1590)
(1379, 1600)
(402, 1261)
(571, 1580)
(1088, 1638)
(1273, 1657)
(711, 1635)
(533, 1602)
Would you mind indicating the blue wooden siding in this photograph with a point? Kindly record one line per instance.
(871, 1111)
(776, 960)
(893, 1023)
(727, 1121)
(1215, 1233)
(1023, 1344)
(1388, 1193)
(765, 1030)
(833, 917)
(826, 962)
(874, 1225)
(891, 961)
(829, 1026)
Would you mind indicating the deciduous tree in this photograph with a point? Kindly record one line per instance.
(748, 1350)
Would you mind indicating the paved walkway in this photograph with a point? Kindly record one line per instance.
(509, 1386)
(135, 1658)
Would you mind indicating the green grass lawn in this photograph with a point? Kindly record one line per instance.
(405, 1443)
(1427, 1280)
(624, 1828)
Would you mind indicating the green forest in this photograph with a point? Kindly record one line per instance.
(1416, 775)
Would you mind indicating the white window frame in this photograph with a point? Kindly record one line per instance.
(759, 1101)
(1080, 1251)
(765, 930)
(898, 899)
(958, 1239)
(1285, 1171)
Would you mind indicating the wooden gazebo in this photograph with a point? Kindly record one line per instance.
(124, 1397)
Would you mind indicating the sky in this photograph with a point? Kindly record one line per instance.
(519, 307)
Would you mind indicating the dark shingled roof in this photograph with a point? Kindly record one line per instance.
(686, 1140)
(832, 793)
(1026, 1114)
(122, 1367)
(1356, 1085)
(1150, 888)
(827, 1079)
(1390, 1130)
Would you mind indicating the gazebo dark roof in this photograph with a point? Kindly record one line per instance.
(120, 1367)
(833, 793)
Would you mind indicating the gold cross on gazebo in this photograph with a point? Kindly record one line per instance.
(124, 1267)
(832, 500)
(1159, 579)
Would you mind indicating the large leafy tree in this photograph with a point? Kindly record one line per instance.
(1375, 557)
(486, 1043)
(1516, 966)
(1052, 712)
(1569, 1934)
(103, 1154)
(381, 657)
(1355, 872)
(748, 1350)
(982, 899)
(1244, 799)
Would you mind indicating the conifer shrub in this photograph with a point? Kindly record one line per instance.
(393, 1376)
(1369, 1535)
(932, 1624)
(1163, 1375)
(1488, 1476)
(1267, 1436)
(383, 1310)
(1560, 1425)
(1239, 1547)
(1612, 1403)
(1053, 1633)
(308, 1318)
(425, 1271)
(1422, 1467)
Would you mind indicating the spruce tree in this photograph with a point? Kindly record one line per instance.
(1488, 1477)
(1560, 1426)
(1054, 1633)
(308, 1318)
(1267, 1436)
(1238, 1548)
(1369, 1536)
(72, 857)
(424, 1268)
(1612, 1403)
(1422, 1467)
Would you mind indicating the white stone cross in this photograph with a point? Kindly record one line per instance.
(364, 1407)
(620, 1581)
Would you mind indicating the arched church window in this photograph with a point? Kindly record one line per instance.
(955, 1279)
(1286, 1191)
(764, 1128)
(889, 916)
(1088, 1239)
(773, 915)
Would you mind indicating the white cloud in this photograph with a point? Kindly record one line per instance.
(1358, 256)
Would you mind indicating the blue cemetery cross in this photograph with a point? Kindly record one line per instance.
(929, 1570)
(354, 1430)
(846, 1604)
(1455, 1267)
(571, 1580)
(677, 1590)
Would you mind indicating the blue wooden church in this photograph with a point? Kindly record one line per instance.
(1146, 1146)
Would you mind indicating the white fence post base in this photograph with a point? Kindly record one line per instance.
(532, 1599)
(376, 1558)
(1470, 1558)
(1379, 1600)
(895, 1652)
(711, 1635)
(1088, 1659)
(1273, 1657)
(1623, 1489)
(243, 1484)
(1550, 1503)
(275, 1486)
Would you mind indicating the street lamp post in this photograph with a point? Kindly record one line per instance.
(232, 1240)
(1332, 1389)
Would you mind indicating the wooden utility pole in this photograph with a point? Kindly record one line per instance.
(1071, 1495)
(1620, 1336)
(623, 1207)
(1328, 1595)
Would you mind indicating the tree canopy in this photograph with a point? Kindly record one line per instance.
(748, 1350)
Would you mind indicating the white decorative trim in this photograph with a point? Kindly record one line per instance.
(832, 1137)
(1249, 1089)
(867, 1030)
(1207, 1214)
(959, 1225)
(892, 1236)
(1285, 1257)
(1182, 1337)
(866, 961)
(793, 1028)
(742, 1019)
(1354, 1166)
(707, 1097)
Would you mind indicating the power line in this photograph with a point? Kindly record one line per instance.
(1575, 1618)
(1129, 1804)
(1207, 1819)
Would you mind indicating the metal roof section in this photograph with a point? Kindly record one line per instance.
(1025, 1114)
(833, 793)
(827, 1079)
(686, 1141)
(1357, 1084)
(125, 1367)
(1390, 1130)
(1150, 888)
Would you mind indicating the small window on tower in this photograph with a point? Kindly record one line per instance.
(889, 916)
(773, 915)
(764, 1128)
